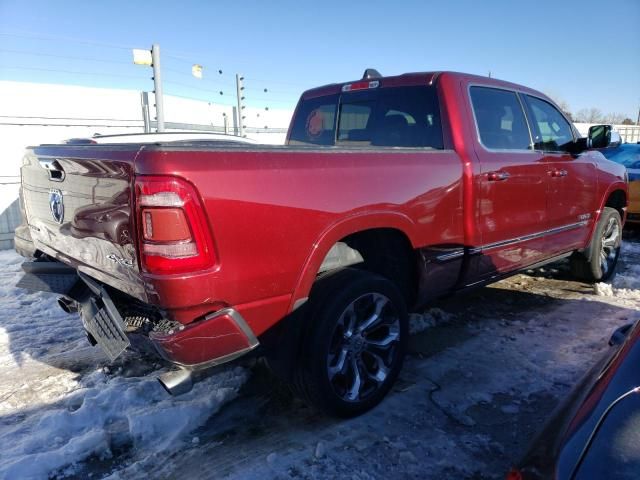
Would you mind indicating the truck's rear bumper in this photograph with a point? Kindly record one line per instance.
(219, 338)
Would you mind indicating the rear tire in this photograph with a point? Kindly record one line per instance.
(354, 344)
(598, 262)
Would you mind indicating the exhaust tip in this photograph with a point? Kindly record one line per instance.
(177, 382)
(68, 305)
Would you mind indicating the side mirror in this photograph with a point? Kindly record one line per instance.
(602, 136)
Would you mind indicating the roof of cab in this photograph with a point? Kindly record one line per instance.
(416, 78)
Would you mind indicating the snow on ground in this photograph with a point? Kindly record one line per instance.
(60, 404)
(625, 283)
(419, 322)
(485, 371)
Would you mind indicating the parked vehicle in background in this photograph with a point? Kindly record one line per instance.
(628, 154)
(595, 432)
(391, 192)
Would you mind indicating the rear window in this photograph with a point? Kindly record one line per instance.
(386, 117)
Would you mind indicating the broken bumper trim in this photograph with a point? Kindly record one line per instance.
(219, 338)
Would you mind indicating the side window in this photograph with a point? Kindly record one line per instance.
(552, 132)
(408, 117)
(500, 119)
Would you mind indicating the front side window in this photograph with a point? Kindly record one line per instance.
(500, 119)
(551, 131)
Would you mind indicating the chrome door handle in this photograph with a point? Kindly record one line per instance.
(559, 173)
(497, 176)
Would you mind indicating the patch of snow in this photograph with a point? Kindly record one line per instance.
(625, 283)
(448, 412)
(419, 322)
(603, 289)
(59, 402)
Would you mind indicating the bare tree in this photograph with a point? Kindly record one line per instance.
(589, 115)
(627, 121)
(614, 118)
(561, 102)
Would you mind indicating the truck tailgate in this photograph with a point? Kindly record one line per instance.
(77, 203)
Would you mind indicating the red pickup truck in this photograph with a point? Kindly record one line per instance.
(390, 192)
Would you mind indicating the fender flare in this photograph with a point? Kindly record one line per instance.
(333, 233)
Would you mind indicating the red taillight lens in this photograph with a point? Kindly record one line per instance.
(173, 230)
(514, 474)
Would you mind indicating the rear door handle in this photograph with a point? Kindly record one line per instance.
(497, 176)
(559, 173)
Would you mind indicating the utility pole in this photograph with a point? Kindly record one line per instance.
(144, 103)
(240, 106)
(157, 86)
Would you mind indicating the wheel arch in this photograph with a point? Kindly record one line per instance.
(387, 224)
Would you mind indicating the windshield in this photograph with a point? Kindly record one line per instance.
(384, 117)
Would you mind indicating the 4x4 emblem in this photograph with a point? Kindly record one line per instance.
(56, 206)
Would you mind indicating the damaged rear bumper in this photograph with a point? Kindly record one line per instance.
(218, 338)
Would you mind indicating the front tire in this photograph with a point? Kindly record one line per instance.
(598, 262)
(355, 343)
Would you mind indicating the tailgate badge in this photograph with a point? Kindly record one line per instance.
(56, 206)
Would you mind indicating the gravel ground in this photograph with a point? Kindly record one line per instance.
(486, 369)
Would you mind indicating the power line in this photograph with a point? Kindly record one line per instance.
(191, 60)
(75, 72)
(276, 82)
(172, 82)
(39, 36)
(69, 125)
(178, 56)
(73, 118)
(206, 80)
(186, 97)
(70, 57)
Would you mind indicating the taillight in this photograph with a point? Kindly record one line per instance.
(173, 232)
(514, 474)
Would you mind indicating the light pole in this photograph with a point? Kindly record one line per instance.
(157, 86)
(152, 58)
(240, 101)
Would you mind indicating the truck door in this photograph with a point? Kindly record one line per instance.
(511, 190)
(572, 178)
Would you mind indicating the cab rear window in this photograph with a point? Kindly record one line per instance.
(385, 117)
